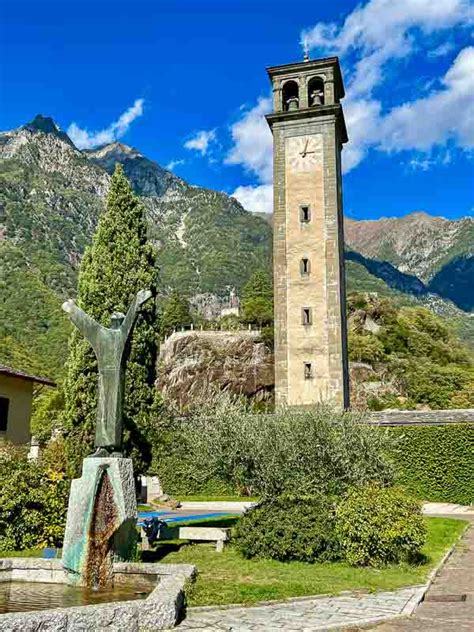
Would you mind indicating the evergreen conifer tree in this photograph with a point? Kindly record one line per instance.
(119, 262)
(257, 299)
(176, 313)
(259, 285)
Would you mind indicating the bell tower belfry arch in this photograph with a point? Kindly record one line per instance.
(308, 129)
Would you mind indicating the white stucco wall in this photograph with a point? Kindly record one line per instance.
(20, 394)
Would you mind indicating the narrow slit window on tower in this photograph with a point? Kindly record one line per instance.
(308, 373)
(305, 267)
(306, 316)
(305, 213)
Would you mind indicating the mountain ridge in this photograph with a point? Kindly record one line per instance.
(52, 194)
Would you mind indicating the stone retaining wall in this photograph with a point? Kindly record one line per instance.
(422, 417)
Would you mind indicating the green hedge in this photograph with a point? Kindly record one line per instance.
(436, 463)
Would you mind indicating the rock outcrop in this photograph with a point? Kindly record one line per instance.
(192, 362)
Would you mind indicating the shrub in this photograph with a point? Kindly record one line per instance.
(257, 310)
(290, 452)
(365, 347)
(33, 502)
(435, 462)
(377, 525)
(288, 529)
(437, 386)
(268, 336)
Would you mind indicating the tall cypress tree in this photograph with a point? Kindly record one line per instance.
(119, 262)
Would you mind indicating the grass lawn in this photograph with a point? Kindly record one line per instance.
(25, 553)
(226, 578)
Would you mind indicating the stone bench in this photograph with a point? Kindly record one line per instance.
(218, 535)
(206, 534)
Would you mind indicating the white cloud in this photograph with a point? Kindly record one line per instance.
(362, 120)
(201, 141)
(83, 139)
(422, 164)
(442, 50)
(383, 30)
(258, 199)
(252, 149)
(252, 140)
(174, 163)
(369, 40)
(445, 114)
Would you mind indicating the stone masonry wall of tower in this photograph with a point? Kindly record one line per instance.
(310, 327)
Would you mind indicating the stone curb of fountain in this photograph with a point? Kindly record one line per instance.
(159, 611)
(409, 607)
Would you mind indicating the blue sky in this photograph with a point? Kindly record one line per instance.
(185, 83)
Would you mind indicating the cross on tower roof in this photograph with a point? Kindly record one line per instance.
(306, 49)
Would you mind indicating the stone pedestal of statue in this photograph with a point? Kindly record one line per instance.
(101, 521)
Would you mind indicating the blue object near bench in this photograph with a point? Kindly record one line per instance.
(170, 517)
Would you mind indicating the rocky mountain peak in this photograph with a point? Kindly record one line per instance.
(116, 150)
(148, 178)
(47, 125)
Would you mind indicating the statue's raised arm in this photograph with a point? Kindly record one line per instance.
(87, 326)
(141, 297)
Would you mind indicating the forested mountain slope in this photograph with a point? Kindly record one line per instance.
(51, 195)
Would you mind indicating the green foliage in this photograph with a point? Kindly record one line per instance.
(229, 578)
(365, 347)
(288, 529)
(33, 329)
(257, 299)
(171, 462)
(175, 314)
(416, 331)
(48, 409)
(292, 451)
(405, 332)
(436, 462)
(416, 348)
(259, 286)
(47, 220)
(377, 525)
(268, 336)
(118, 264)
(33, 501)
(49, 215)
(223, 242)
(230, 322)
(258, 311)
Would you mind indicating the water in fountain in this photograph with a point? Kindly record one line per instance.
(26, 596)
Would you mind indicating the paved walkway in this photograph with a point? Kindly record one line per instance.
(449, 603)
(305, 615)
(454, 580)
(448, 509)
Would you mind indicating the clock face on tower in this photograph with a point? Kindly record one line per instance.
(304, 152)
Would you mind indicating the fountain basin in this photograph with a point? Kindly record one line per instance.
(160, 610)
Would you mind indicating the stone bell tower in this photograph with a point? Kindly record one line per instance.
(310, 322)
